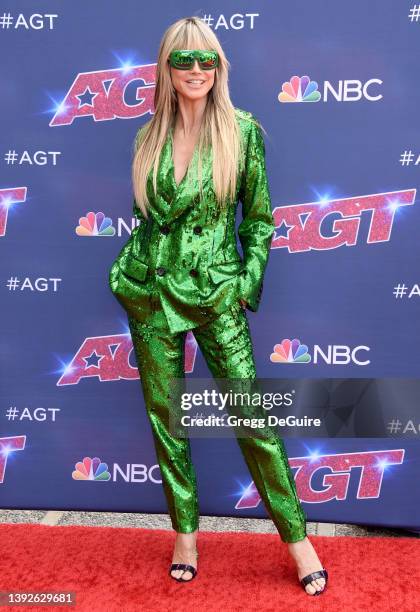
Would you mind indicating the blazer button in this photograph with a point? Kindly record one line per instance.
(165, 229)
(193, 272)
(161, 271)
(198, 229)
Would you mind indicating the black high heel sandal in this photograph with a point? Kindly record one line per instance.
(319, 574)
(186, 568)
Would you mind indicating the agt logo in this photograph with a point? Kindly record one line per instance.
(302, 89)
(307, 225)
(9, 197)
(292, 351)
(120, 93)
(107, 358)
(333, 473)
(95, 470)
(7, 447)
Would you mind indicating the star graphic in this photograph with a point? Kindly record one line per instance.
(86, 97)
(285, 226)
(90, 361)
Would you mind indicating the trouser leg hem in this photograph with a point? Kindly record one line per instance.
(292, 539)
(185, 527)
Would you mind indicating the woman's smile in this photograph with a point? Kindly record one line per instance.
(195, 83)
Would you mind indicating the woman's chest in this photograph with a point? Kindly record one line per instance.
(182, 152)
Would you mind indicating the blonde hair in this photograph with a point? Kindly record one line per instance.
(219, 129)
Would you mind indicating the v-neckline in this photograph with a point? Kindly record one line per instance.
(171, 141)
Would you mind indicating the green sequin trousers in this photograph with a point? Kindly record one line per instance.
(226, 345)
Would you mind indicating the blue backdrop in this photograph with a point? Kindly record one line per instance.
(332, 85)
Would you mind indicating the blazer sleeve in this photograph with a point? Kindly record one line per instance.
(257, 226)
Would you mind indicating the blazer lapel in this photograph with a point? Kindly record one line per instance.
(172, 200)
(160, 203)
(187, 193)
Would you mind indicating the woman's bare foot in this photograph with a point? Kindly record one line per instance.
(185, 551)
(307, 561)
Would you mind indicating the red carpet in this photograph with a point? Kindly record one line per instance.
(125, 569)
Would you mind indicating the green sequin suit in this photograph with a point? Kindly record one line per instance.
(181, 270)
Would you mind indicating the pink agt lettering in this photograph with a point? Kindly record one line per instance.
(108, 358)
(305, 221)
(101, 95)
(336, 477)
(7, 446)
(14, 195)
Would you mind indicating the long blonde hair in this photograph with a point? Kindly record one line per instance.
(219, 129)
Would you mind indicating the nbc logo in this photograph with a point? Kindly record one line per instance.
(302, 89)
(91, 469)
(299, 89)
(290, 351)
(95, 224)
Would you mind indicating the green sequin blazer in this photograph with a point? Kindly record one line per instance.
(186, 251)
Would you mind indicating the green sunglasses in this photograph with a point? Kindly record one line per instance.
(183, 59)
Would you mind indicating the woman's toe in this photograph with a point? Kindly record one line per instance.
(186, 575)
(176, 573)
(309, 588)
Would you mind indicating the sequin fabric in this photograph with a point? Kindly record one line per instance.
(180, 270)
(186, 251)
(225, 343)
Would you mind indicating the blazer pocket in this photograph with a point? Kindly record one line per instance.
(223, 271)
(134, 268)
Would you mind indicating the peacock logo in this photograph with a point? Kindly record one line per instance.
(95, 224)
(290, 351)
(91, 469)
(299, 89)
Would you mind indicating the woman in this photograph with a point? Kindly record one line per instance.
(181, 271)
